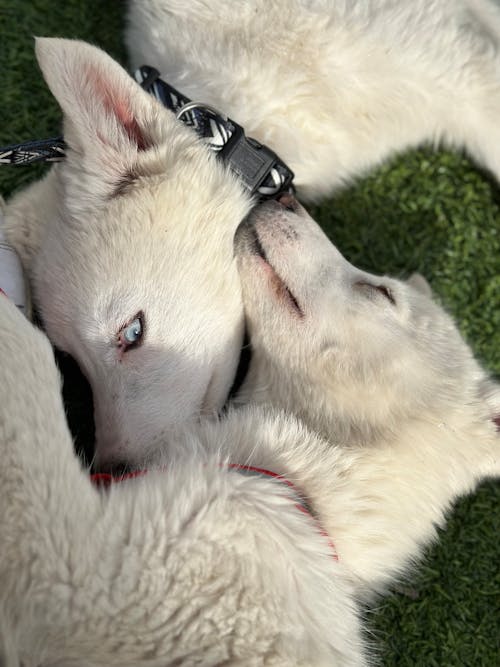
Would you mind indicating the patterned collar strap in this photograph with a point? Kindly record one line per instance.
(104, 480)
(259, 168)
(45, 150)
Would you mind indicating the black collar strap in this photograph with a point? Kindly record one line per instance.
(259, 168)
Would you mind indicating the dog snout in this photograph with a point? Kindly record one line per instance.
(288, 201)
(271, 210)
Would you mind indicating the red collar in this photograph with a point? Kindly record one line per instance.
(104, 480)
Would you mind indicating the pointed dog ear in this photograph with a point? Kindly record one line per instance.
(108, 118)
(98, 98)
(419, 283)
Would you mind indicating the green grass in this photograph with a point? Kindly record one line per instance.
(430, 212)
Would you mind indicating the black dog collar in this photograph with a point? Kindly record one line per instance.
(259, 168)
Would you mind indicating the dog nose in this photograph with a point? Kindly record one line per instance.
(288, 201)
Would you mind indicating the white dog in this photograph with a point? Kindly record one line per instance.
(332, 86)
(129, 248)
(378, 368)
(198, 562)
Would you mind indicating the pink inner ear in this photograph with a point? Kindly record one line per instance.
(117, 103)
(126, 119)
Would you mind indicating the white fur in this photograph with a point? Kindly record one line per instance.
(196, 564)
(99, 249)
(389, 380)
(334, 86)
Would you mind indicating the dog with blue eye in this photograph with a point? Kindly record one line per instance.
(136, 226)
(250, 539)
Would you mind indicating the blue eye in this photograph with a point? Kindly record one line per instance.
(131, 334)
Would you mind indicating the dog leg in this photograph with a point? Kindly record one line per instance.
(44, 491)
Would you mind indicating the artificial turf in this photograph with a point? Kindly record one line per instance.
(427, 211)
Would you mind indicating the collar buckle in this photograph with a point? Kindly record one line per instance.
(261, 171)
(259, 168)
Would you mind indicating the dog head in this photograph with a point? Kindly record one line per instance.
(354, 354)
(133, 271)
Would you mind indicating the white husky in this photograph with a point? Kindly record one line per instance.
(129, 248)
(197, 563)
(377, 367)
(121, 248)
(334, 86)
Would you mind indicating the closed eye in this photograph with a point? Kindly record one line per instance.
(381, 289)
(132, 333)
